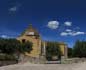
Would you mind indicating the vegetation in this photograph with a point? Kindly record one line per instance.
(70, 52)
(79, 50)
(26, 47)
(7, 57)
(11, 47)
(53, 50)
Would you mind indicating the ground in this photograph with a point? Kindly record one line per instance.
(28, 66)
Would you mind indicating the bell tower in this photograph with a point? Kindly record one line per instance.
(31, 34)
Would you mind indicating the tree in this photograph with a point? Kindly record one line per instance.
(79, 50)
(70, 52)
(14, 47)
(26, 47)
(11, 46)
(52, 49)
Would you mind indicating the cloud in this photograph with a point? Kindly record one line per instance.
(64, 34)
(68, 30)
(68, 23)
(13, 9)
(4, 36)
(8, 33)
(53, 24)
(72, 33)
(78, 33)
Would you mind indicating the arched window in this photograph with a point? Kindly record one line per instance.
(23, 40)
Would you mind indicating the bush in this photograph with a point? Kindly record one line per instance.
(7, 57)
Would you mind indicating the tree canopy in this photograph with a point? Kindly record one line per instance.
(10, 46)
(79, 49)
(52, 49)
(70, 52)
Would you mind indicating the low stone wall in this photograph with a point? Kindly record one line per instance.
(24, 58)
(73, 60)
(34, 60)
(7, 62)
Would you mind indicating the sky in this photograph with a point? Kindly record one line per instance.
(56, 20)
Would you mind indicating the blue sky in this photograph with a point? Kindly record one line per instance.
(56, 20)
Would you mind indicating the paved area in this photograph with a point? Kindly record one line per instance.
(28, 66)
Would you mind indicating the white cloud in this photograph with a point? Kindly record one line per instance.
(68, 30)
(53, 24)
(64, 34)
(4, 36)
(72, 33)
(78, 33)
(13, 9)
(7, 36)
(68, 23)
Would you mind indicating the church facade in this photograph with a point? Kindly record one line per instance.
(39, 46)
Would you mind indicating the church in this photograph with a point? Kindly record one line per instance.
(39, 46)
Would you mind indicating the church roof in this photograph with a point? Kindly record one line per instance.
(30, 29)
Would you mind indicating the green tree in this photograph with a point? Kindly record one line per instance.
(26, 47)
(70, 52)
(14, 47)
(52, 49)
(9, 46)
(79, 50)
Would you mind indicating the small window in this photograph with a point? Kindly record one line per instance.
(36, 37)
(23, 40)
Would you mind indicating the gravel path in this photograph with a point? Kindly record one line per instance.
(28, 66)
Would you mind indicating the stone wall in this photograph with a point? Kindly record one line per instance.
(8, 62)
(73, 60)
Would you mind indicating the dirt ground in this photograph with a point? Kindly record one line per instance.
(28, 66)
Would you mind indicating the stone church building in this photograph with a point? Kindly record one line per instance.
(32, 35)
